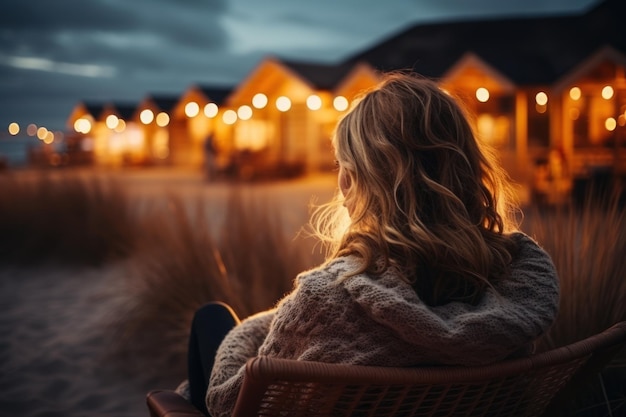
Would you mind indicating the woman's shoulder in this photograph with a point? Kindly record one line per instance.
(330, 271)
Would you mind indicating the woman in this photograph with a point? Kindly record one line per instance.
(424, 263)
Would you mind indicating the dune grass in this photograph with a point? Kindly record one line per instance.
(587, 243)
(72, 219)
(180, 257)
(182, 262)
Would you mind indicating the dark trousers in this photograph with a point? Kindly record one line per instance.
(210, 324)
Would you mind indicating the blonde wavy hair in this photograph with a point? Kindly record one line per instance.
(426, 197)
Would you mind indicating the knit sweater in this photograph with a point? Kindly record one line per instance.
(381, 321)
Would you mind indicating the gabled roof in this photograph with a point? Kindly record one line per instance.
(528, 50)
(320, 76)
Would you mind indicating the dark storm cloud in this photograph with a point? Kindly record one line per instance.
(70, 29)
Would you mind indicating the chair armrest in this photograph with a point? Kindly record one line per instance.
(167, 403)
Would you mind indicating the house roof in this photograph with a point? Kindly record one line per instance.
(528, 50)
(94, 109)
(320, 76)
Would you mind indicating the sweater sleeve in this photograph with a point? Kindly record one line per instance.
(239, 345)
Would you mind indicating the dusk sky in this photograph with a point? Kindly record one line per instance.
(55, 53)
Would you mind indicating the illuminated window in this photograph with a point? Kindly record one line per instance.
(610, 124)
(112, 121)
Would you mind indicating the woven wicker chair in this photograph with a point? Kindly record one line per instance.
(530, 386)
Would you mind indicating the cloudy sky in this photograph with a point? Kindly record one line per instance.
(55, 53)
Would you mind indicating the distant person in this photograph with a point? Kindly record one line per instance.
(210, 154)
(425, 264)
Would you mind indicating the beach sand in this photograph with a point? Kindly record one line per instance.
(55, 322)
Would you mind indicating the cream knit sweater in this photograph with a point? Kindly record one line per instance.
(362, 320)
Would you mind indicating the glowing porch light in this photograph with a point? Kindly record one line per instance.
(192, 109)
(340, 103)
(112, 121)
(610, 124)
(229, 117)
(82, 125)
(146, 116)
(14, 128)
(283, 103)
(541, 98)
(575, 93)
(48, 138)
(121, 126)
(244, 112)
(31, 129)
(482, 94)
(162, 119)
(259, 100)
(607, 92)
(210, 110)
(314, 102)
(42, 132)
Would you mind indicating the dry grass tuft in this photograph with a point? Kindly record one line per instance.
(180, 264)
(587, 243)
(63, 218)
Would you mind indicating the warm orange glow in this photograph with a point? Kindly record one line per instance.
(314, 102)
(575, 93)
(541, 109)
(259, 100)
(210, 110)
(244, 112)
(121, 126)
(162, 119)
(541, 98)
(340, 103)
(146, 116)
(48, 138)
(192, 109)
(82, 126)
(621, 120)
(229, 117)
(31, 129)
(112, 121)
(283, 103)
(607, 92)
(42, 132)
(574, 113)
(14, 128)
(482, 94)
(610, 124)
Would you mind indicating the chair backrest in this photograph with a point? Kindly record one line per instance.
(517, 387)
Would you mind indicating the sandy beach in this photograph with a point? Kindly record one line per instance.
(55, 321)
